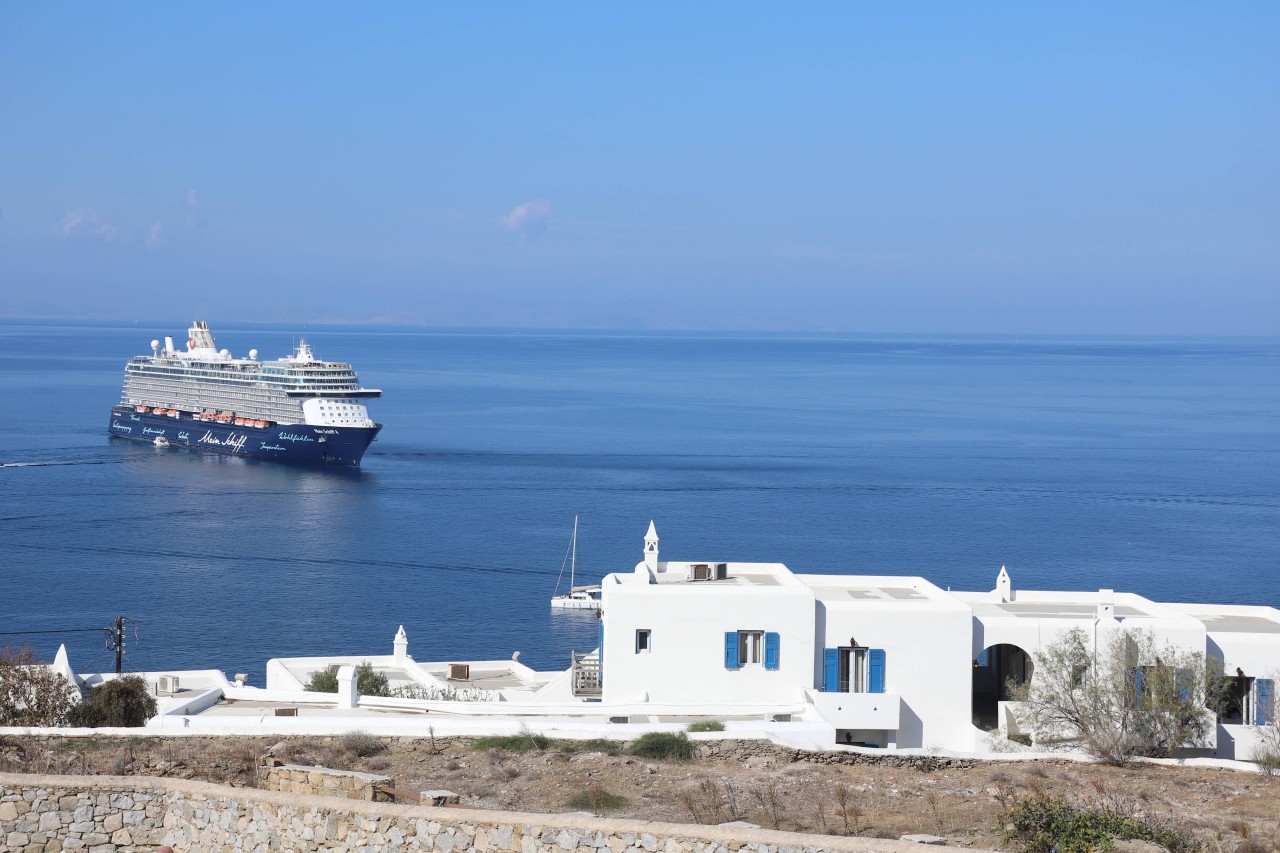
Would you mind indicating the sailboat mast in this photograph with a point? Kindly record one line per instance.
(573, 560)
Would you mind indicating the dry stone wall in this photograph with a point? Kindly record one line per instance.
(347, 784)
(116, 814)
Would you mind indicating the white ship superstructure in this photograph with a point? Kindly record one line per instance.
(298, 388)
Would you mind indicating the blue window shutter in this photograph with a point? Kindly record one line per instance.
(1184, 680)
(772, 649)
(830, 670)
(982, 658)
(875, 670)
(1138, 688)
(730, 649)
(1263, 689)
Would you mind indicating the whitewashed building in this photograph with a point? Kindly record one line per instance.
(892, 662)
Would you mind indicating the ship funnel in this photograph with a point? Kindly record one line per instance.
(168, 343)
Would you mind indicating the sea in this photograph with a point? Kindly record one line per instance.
(1140, 464)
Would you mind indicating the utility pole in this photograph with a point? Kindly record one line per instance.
(119, 644)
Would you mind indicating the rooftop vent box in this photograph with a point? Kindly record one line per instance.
(459, 671)
(708, 571)
(167, 684)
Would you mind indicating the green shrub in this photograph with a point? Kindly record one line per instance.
(596, 799)
(323, 681)
(595, 744)
(125, 701)
(1045, 824)
(662, 745)
(707, 726)
(525, 741)
(369, 682)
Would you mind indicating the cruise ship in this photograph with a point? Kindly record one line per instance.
(293, 409)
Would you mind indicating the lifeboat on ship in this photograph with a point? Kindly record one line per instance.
(142, 408)
(174, 413)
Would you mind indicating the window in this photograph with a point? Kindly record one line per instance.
(852, 669)
(644, 641)
(749, 643)
(1249, 700)
(752, 648)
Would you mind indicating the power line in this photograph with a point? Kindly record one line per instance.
(63, 631)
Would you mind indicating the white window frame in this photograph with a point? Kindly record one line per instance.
(644, 641)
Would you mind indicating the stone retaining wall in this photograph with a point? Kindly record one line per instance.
(117, 814)
(347, 784)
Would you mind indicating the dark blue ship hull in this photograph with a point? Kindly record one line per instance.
(303, 443)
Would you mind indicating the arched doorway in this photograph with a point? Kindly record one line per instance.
(995, 670)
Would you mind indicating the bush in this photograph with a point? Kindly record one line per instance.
(525, 741)
(361, 744)
(596, 799)
(662, 745)
(595, 744)
(369, 682)
(707, 726)
(1045, 824)
(31, 694)
(125, 702)
(323, 681)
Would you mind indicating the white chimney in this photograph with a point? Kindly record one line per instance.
(401, 644)
(651, 548)
(1004, 585)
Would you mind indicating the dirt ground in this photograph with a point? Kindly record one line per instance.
(1225, 810)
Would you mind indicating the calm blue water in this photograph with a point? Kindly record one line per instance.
(1147, 465)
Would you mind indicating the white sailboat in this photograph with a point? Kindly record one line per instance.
(579, 597)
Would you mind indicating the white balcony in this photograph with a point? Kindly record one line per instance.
(858, 710)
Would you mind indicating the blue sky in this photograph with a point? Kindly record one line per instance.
(873, 167)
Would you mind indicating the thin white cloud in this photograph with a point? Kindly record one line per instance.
(191, 215)
(155, 234)
(528, 218)
(86, 223)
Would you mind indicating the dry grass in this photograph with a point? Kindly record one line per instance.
(1232, 812)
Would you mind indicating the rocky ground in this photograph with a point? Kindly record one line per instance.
(1222, 810)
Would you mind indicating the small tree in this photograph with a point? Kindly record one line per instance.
(369, 682)
(32, 694)
(323, 681)
(124, 702)
(1129, 697)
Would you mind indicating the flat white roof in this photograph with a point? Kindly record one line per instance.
(1233, 618)
(1050, 610)
(873, 589)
